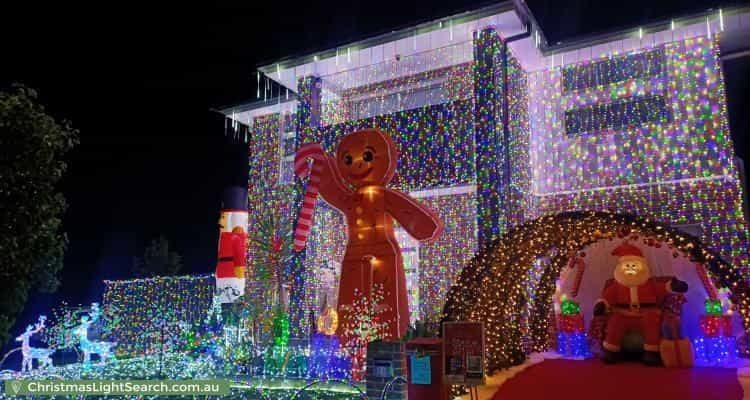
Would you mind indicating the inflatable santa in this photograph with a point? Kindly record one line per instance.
(232, 257)
(634, 300)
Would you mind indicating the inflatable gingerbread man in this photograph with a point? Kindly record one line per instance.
(634, 300)
(354, 182)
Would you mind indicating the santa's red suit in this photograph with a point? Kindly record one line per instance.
(635, 309)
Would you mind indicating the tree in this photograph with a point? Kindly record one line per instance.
(32, 242)
(157, 260)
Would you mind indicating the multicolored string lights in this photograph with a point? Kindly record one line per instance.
(677, 167)
(491, 288)
(642, 134)
(526, 168)
(146, 313)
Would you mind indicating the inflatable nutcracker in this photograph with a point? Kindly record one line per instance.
(634, 300)
(232, 257)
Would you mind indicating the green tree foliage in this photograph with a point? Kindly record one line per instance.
(158, 260)
(32, 242)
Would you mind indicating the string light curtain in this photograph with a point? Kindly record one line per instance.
(141, 307)
(676, 165)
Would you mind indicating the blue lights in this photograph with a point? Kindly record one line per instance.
(573, 344)
(326, 361)
(715, 351)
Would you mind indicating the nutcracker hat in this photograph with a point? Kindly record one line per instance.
(233, 209)
(627, 251)
(234, 199)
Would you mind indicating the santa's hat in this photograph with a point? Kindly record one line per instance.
(627, 251)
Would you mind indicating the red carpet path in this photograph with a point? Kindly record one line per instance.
(591, 379)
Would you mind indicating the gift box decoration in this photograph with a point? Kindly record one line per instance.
(716, 351)
(571, 323)
(573, 344)
(716, 325)
(712, 307)
(569, 307)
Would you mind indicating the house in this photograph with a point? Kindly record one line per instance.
(495, 127)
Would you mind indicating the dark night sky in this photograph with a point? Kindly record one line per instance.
(138, 80)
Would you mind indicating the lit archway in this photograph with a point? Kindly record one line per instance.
(492, 288)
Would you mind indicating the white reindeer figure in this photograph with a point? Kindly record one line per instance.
(103, 349)
(30, 353)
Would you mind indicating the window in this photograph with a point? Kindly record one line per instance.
(627, 113)
(612, 70)
(691, 229)
(288, 146)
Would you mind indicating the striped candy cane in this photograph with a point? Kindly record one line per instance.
(302, 169)
(707, 284)
(580, 267)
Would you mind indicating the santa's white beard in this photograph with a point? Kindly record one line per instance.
(631, 280)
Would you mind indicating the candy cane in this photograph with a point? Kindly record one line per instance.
(707, 284)
(580, 267)
(302, 169)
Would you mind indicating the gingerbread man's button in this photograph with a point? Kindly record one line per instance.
(358, 210)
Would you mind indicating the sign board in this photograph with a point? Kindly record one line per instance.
(421, 373)
(382, 368)
(463, 353)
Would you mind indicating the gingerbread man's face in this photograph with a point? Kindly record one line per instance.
(366, 157)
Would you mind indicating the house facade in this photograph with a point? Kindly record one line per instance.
(495, 127)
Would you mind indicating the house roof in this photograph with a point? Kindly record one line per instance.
(366, 59)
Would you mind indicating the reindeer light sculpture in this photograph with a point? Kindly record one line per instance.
(30, 353)
(88, 347)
